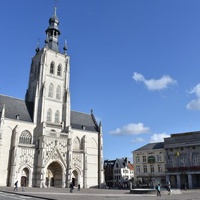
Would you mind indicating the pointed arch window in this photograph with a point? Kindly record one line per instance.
(25, 137)
(76, 144)
(58, 92)
(49, 115)
(52, 66)
(59, 70)
(57, 117)
(50, 94)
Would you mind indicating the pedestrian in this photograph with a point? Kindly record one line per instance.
(16, 186)
(169, 188)
(79, 187)
(158, 190)
(71, 187)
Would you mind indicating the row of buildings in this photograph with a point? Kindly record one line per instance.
(177, 160)
(118, 173)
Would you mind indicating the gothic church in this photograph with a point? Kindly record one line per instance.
(43, 143)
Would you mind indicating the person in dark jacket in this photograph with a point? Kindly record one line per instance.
(71, 187)
(16, 186)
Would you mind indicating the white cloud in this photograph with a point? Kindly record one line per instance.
(195, 103)
(138, 140)
(155, 84)
(196, 90)
(158, 137)
(131, 129)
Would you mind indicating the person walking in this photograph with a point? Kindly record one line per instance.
(169, 188)
(158, 190)
(71, 187)
(79, 187)
(16, 186)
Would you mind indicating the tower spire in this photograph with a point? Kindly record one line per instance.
(53, 32)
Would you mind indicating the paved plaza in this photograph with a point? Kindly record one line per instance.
(93, 194)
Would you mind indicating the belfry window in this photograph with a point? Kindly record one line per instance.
(50, 94)
(58, 92)
(52, 68)
(57, 116)
(49, 115)
(25, 137)
(59, 70)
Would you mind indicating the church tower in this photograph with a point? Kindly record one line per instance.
(44, 142)
(48, 89)
(49, 80)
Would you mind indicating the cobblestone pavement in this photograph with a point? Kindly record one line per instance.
(98, 194)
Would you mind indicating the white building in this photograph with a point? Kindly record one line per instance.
(123, 172)
(149, 165)
(44, 143)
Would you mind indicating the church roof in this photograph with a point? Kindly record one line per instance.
(17, 108)
(82, 121)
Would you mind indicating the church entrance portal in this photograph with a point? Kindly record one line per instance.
(54, 175)
(24, 177)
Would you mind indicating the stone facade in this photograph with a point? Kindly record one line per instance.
(183, 159)
(43, 143)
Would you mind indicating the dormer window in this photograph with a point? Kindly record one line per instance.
(17, 116)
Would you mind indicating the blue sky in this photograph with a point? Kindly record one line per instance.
(136, 63)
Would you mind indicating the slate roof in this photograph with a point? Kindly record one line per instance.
(122, 162)
(81, 120)
(14, 106)
(151, 146)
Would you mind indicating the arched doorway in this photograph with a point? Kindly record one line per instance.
(54, 175)
(75, 178)
(25, 177)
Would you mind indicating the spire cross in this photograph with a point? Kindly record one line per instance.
(55, 1)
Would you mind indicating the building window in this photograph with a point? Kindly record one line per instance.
(158, 158)
(57, 117)
(59, 70)
(58, 92)
(159, 168)
(25, 138)
(195, 160)
(171, 162)
(137, 159)
(145, 169)
(137, 169)
(49, 115)
(183, 161)
(76, 144)
(152, 168)
(50, 90)
(52, 68)
(144, 158)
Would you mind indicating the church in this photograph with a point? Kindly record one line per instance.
(43, 143)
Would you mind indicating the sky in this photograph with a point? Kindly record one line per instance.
(136, 63)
